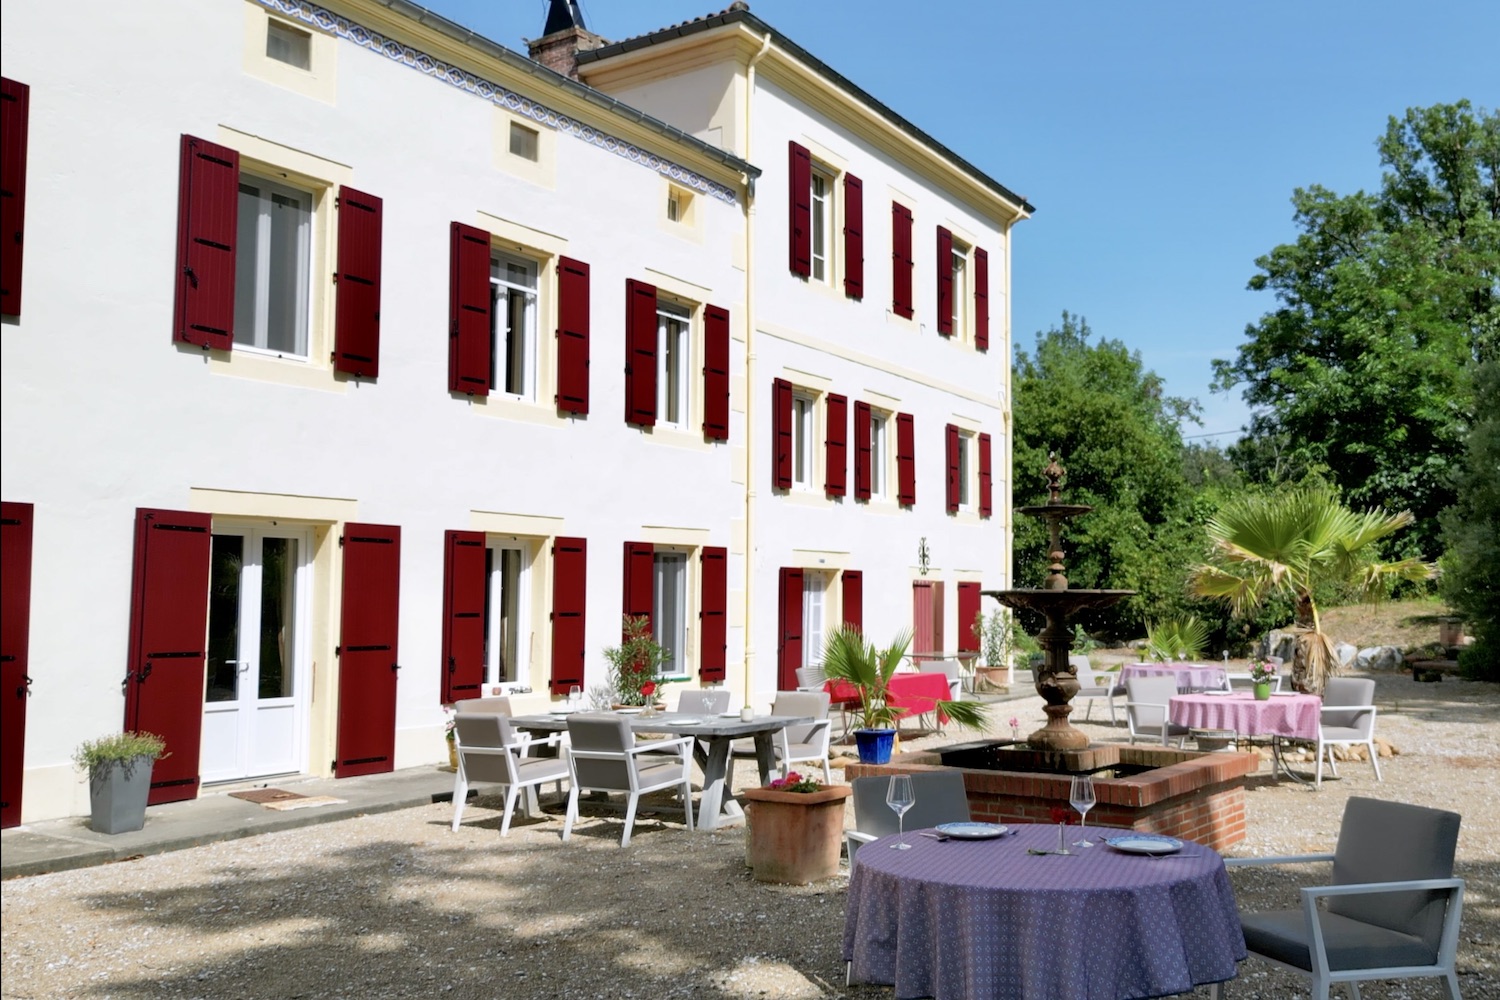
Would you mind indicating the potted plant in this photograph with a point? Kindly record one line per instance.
(119, 769)
(1262, 675)
(796, 829)
(635, 663)
(849, 658)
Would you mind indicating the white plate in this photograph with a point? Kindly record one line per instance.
(972, 831)
(629, 711)
(1218, 694)
(563, 711)
(1283, 694)
(686, 720)
(729, 715)
(1145, 843)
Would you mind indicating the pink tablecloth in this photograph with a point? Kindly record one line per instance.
(1294, 715)
(912, 694)
(1190, 676)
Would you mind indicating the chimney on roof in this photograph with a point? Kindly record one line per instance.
(564, 36)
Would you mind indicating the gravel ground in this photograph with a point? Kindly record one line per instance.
(397, 906)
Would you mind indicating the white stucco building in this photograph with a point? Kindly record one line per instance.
(353, 364)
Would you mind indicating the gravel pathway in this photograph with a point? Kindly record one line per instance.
(395, 905)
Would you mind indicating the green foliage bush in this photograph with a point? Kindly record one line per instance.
(95, 757)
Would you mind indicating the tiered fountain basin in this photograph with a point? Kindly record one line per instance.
(1178, 793)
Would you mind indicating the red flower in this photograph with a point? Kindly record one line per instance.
(1059, 814)
(648, 688)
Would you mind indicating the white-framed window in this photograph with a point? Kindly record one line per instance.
(506, 613)
(273, 268)
(965, 466)
(814, 618)
(669, 610)
(287, 44)
(523, 142)
(960, 290)
(673, 375)
(804, 434)
(879, 460)
(822, 226)
(513, 325)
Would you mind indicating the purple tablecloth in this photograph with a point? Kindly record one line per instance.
(985, 919)
(1190, 677)
(1294, 715)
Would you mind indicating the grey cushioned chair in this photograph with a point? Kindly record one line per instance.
(938, 797)
(1392, 909)
(490, 750)
(1146, 713)
(709, 702)
(801, 742)
(1347, 718)
(499, 705)
(606, 758)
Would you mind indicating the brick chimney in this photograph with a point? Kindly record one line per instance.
(564, 37)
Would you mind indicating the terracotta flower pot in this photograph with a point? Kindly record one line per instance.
(795, 837)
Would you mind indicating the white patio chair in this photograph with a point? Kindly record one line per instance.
(800, 742)
(490, 750)
(1392, 907)
(606, 758)
(1146, 709)
(938, 797)
(714, 701)
(1347, 718)
(1096, 685)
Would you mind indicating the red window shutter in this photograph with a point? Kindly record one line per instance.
(716, 373)
(853, 581)
(906, 460)
(901, 262)
(944, 282)
(781, 433)
(981, 299)
(640, 560)
(713, 603)
(789, 649)
(968, 614)
(15, 110)
(836, 446)
(952, 446)
(470, 303)
(640, 353)
(799, 228)
(164, 674)
(208, 209)
(463, 615)
(569, 588)
(862, 450)
(572, 336)
(854, 237)
(368, 651)
(15, 644)
(986, 489)
(356, 347)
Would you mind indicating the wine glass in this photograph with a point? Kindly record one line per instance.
(899, 796)
(575, 695)
(1082, 799)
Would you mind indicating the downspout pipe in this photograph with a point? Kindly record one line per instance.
(750, 380)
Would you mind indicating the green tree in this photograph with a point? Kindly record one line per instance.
(1471, 529)
(1297, 541)
(1107, 418)
(1360, 373)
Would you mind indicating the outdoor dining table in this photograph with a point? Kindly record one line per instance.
(713, 739)
(1190, 676)
(981, 919)
(1281, 717)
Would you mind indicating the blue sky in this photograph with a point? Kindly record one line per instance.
(1159, 141)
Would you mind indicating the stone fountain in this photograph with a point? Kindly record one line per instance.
(1057, 681)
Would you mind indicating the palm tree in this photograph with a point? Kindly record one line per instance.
(848, 657)
(1293, 541)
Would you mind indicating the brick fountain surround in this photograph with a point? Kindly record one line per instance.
(1195, 796)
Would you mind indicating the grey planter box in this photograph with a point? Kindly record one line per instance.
(118, 796)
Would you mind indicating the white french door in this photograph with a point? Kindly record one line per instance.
(254, 708)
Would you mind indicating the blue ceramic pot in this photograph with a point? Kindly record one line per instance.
(874, 745)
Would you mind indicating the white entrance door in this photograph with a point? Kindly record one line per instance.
(253, 711)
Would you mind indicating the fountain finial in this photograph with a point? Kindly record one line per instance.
(1055, 475)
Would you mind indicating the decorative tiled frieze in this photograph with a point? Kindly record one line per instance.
(342, 27)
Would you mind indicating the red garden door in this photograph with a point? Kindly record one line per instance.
(367, 650)
(15, 632)
(164, 675)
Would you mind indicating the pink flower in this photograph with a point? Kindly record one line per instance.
(1015, 723)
